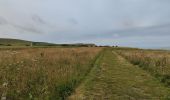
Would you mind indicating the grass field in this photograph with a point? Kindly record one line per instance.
(43, 73)
(114, 78)
(84, 73)
(156, 62)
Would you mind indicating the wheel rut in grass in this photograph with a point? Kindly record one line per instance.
(114, 78)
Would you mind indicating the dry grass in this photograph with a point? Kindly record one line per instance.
(156, 62)
(114, 78)
(43, 73)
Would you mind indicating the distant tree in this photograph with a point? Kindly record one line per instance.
(27, 45)
(8, 45)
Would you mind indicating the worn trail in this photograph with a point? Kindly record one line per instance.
(114, 78)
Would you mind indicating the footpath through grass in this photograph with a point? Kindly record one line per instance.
(114, 78)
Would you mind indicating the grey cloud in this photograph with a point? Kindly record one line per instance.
(73, 21)
(99, 21)
(3, 21)
(157, 30)
(38, 19)
(28, 29)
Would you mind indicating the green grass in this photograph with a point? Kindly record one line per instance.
(17, 43)
(156, 62)
(5, 42)
(114, 78)
(13, 42)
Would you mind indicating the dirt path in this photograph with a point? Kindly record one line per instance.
(113, 78)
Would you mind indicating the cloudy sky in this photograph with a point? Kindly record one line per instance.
(135, 23)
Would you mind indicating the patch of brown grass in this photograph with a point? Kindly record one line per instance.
(43, 73)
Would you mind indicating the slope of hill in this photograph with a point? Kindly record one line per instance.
(13, 42)
(18, 42)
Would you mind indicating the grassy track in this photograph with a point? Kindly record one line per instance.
(114, 78)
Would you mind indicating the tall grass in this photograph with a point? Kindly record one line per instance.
(43, 73)
(156, 62)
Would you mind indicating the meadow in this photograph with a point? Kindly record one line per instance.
(156, 62)
(43, 73)
(61, 73)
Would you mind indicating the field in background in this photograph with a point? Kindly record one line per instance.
(43, 73)
(156, 62)
(17, 43)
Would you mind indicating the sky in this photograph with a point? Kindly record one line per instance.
(132, 23)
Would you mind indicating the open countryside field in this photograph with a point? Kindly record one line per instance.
(84, 49)
(156, 62)
(115, 78)
(43, 73)
(84, 73)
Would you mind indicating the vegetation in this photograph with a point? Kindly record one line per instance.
(83, 73)
(43, 73)
(16, 42)
(13, 42)
(114, 78)
(157, 62)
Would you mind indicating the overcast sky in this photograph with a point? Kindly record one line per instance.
(135, 23)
